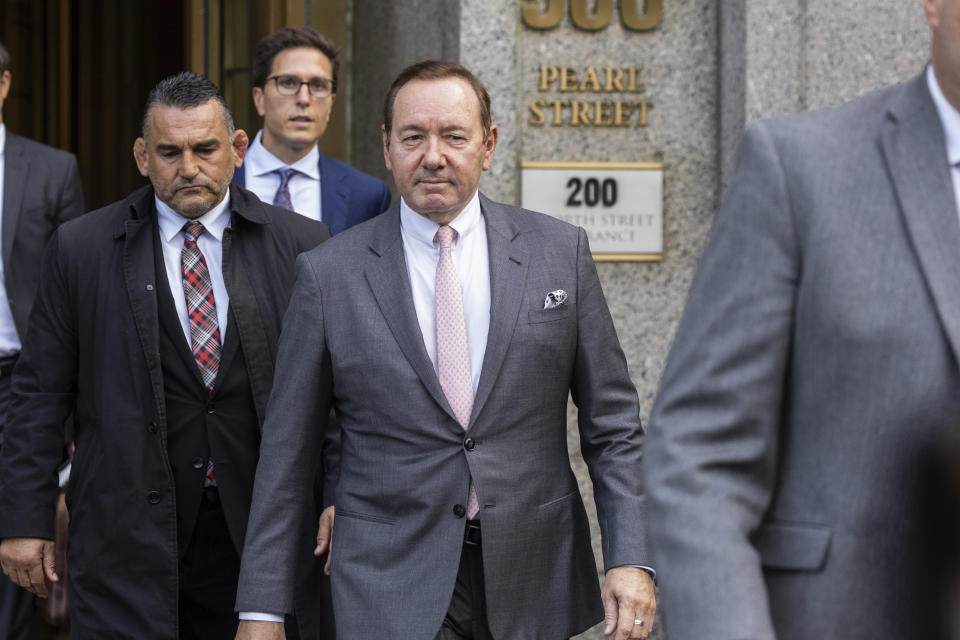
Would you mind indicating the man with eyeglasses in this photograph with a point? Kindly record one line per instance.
(295, 83)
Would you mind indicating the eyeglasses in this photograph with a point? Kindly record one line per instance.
(318, 87)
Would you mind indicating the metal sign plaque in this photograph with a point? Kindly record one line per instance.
(619, 204)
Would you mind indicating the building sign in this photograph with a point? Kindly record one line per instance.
(635, 15)
(619, 204)
(603, 110)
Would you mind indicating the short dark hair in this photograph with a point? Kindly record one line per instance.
(435, 70)
(183, 91)
(290, 38)
(4, 59)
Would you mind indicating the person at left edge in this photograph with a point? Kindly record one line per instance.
(39, 190)
(156, 325)
(295, 75)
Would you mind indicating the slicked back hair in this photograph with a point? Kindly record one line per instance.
(435, 70)
(290, 38)
(184, 91)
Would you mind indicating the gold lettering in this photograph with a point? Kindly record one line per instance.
(590, 81)
(621, 113)
(536, 113)
(637, 22)
(602, 116)
(632, 85)
(568, 79)
(583, 19)
(548, 75)
(579, 113)
(614, 79)
(557, 105)
(644, 105)
(536, 19)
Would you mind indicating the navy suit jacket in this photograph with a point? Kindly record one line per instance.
(347, 196)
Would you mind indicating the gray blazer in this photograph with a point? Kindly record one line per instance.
(41, 191)
(351, 340)
(792, 460)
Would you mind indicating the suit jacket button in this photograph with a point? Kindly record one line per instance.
(197, 463)
(459, 510)
(469, 444)
(211, 409)
(153, 497)
(152, 427)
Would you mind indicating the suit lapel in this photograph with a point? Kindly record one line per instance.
(388, 279)
(15, 167)
(508, 276)
(333, 195)
(141, 283)
(915, 151)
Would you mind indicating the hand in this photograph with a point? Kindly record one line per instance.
(628, 596)
(27, 560)
(325, 536)
(260, 630)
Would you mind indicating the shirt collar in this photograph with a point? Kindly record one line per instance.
(260, 162)
(214, 221)
(3, 139)
(423, 229)
(949, 117)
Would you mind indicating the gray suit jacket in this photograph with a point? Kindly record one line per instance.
(41, 191)
(793, 455)
(351, 340)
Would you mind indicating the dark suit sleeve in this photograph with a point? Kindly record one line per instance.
(70, 201)
(292, 434)
(609, 419)
(43, 388)
(712, 446)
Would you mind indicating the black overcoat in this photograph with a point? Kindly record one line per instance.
(92, 350)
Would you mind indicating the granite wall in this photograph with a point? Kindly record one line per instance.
(709, 68)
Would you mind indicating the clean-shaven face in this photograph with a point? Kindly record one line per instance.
(292, 125)
(436, 148)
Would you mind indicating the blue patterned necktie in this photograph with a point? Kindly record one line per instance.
(282, 197)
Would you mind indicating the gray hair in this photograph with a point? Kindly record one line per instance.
(183, 91)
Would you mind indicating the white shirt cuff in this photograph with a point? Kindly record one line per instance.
(259, 615)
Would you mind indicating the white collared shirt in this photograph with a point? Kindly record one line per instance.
(304, 185)
(9, 340)
(472, 260)
(950, 119)
(210, 243)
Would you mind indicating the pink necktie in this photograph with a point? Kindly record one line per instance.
(453, 352)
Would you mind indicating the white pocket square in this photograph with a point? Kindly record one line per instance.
(555, 299)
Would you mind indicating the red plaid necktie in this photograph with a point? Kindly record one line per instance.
(201, 307)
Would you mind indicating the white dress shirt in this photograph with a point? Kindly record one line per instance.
(304, 185)
(950, 119)
(210, 243)
(9, 340)
(472, 260)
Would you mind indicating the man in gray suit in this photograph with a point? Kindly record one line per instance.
(457, 513)
(795, 456)
(39, 190)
